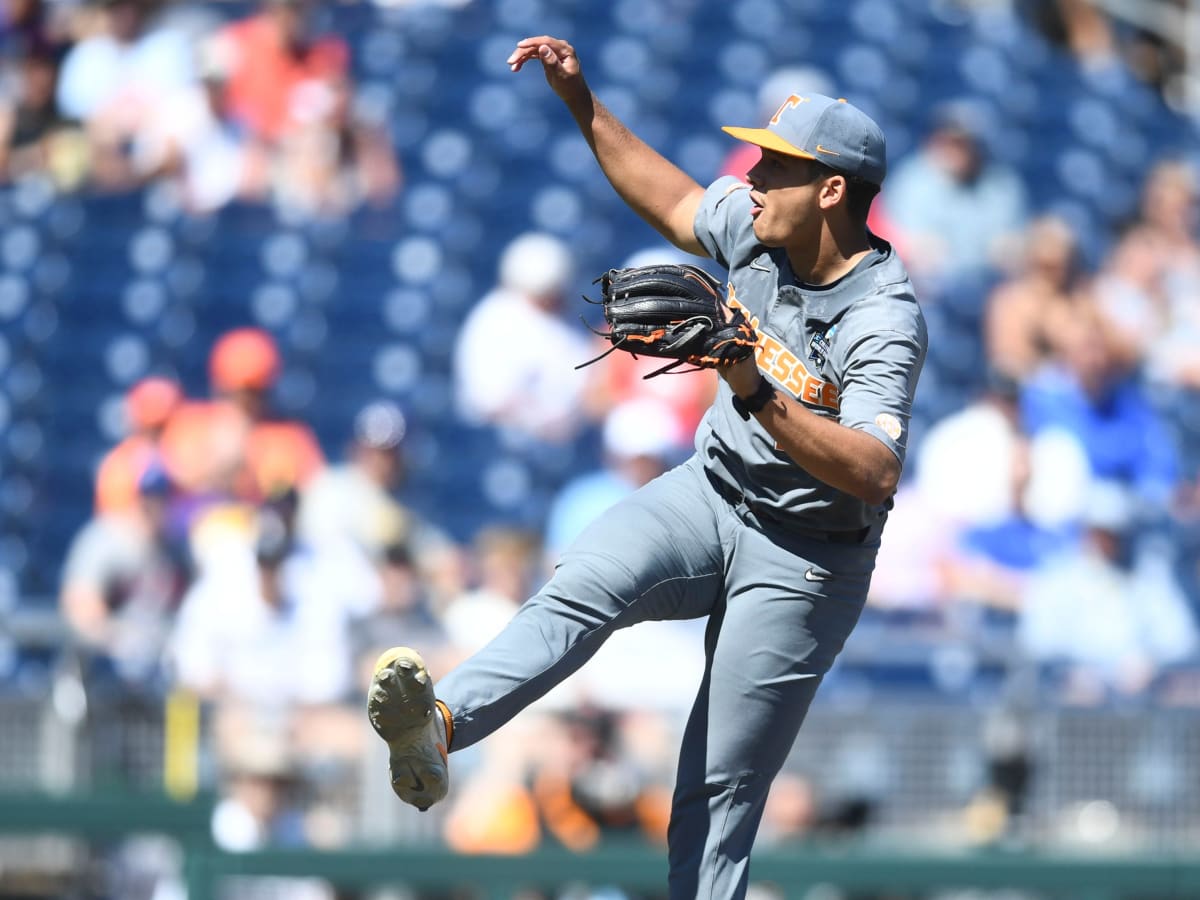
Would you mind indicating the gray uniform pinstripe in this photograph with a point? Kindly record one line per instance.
(734, 534)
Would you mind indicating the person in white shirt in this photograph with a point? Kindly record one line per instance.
(514, 355)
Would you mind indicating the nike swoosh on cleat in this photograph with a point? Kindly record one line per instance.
(418, 784)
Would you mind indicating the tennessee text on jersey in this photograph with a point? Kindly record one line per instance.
(786, 367)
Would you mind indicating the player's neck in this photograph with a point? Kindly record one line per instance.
(829, 258)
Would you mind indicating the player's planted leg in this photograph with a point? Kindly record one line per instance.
(404, 712)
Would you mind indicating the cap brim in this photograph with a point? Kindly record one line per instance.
(767, 139)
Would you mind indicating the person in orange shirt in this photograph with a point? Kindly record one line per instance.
(277, 70)
(233, 446)
(148, 406)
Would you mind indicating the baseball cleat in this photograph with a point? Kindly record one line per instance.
(403, 711)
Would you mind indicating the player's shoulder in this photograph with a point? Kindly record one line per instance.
(888, 302)
(724, 188)
(888, 282)
(724, 225)
(724, 198)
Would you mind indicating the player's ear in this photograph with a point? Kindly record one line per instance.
(833, 191)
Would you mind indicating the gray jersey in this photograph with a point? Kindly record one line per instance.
(850, 351)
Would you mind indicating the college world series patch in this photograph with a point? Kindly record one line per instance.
(890, 425)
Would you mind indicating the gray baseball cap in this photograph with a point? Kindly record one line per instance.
(833, 132)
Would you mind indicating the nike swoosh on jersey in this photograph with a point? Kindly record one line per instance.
(761, 267)
(814, 575)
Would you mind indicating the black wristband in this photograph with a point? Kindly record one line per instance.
(761, 397)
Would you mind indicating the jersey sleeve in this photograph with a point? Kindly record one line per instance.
(723, 224)
(879, 382)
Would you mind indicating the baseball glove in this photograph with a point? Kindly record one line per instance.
(676, 312)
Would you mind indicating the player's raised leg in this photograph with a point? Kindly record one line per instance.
(655, 555)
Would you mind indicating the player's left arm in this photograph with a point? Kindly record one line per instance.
(862, 452)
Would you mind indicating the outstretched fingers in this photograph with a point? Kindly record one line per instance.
(550, 50)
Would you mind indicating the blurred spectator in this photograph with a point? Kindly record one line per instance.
(261, 806)
(34, 137)
(1110, 611)
(569, 783)
(407, 612)
(588, 791)
(279, 74)
(515, 354)
(148, 406)
(355, 498)
(232, 445)
(1089, 393)
(965, 464)
(1155, 55)
(620, 377)
(356, 501)
(26, 25)
(259, 772)
(993, 560)
(1131, 297)
(271, 629)
(273, 117)
(124, 577)
(1148, 288)
(198, 144)
(120, 77)
(1026, 313)
(1084, 29)
(642, 438)
(988, 502)
(909, 574)
(333, 160)
(506, 569)
(1169, 209)
(956, 211)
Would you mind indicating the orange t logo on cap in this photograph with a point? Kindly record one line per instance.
(790, 103)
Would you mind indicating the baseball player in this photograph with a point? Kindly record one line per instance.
(771, 529)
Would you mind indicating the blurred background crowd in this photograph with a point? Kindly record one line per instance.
(288, 324)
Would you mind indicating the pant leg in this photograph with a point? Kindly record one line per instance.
(655, 555)
(768, 646)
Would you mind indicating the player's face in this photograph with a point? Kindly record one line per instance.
(785, 191)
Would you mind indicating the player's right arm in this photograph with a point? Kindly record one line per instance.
(654, 187)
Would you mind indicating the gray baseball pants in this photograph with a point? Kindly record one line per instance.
(780, 608)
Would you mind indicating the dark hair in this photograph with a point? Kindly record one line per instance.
(859, 192)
